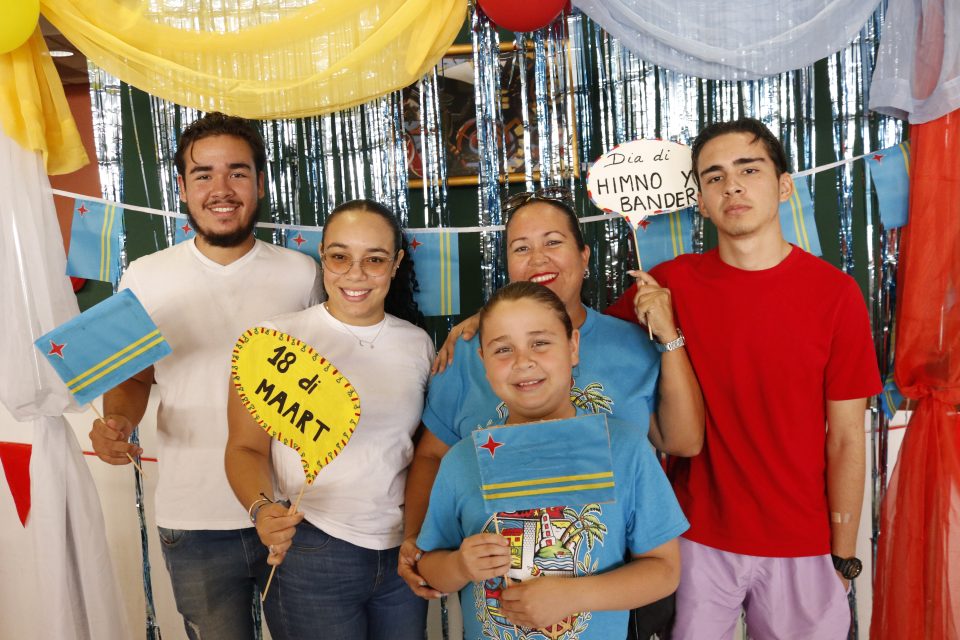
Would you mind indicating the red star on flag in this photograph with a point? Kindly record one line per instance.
(299, 240)
(82, 210)
(186, 228)
(491, 446)
(643, 224)
(56, 349)
(414, 244)
(878, 157)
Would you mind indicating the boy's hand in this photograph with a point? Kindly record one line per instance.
(483, 556)
(536, 603)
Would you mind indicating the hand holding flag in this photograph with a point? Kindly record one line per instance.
(102, 347)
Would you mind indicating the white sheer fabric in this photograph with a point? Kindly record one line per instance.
(742, 40)
(66, 524)
(918, 70)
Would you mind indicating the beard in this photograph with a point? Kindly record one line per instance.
(231, 239)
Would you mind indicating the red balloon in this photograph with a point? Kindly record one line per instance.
(522, 15)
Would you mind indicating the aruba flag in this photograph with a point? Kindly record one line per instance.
(307, 242)
(890, 171)
(436, 258)
(664, 237)
(545, 464)
(183, 230)
(95, 241)
(103, 346)
(796, 218)
(890, 397)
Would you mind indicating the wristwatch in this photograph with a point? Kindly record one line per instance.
(673, 345)
(849, 568)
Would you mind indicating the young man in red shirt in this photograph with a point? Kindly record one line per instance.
(780, 341)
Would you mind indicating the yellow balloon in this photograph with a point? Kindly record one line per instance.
(20, 20)
(296, 395)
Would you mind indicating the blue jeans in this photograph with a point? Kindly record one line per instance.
(329, 589)
(216, 576)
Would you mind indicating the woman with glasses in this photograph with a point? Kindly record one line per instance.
(337, 556)
(620, 370)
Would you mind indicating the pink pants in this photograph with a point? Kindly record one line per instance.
(783, 598)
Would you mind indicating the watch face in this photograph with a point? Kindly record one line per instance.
(853, 568)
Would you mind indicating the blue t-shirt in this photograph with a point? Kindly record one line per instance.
(617, 374)
(644, 516)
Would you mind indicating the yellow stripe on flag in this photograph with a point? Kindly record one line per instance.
(118, 364)
(109, 214)
(118, 354)
(529, 483)
(676, 229)
(905, 152)
(547, 490)
(796, 211)
(449, 263)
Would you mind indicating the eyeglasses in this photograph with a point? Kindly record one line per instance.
(560, 195)
(341, 263)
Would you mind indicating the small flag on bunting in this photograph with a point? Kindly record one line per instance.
(796, 218)
(890, 172)
(103, 346)
(15, 460)
(544, 464)
(307, 242)
(664, 237)
(183, 230)
(436, 258)
(95, 241)
(890, 398)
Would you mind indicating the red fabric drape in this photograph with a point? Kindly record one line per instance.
(917, 588)
(15, 457)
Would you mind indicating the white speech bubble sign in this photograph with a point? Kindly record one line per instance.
(643, 178)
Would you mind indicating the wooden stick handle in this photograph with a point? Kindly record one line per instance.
(291, 511)
(636, 250)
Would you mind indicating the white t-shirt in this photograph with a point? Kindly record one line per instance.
(201, 308)
(359, 496)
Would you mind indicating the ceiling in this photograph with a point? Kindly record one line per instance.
(73, 69)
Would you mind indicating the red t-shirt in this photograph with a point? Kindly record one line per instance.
(770, 348)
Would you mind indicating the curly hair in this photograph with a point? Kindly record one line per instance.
(399, 301)
(219, 124)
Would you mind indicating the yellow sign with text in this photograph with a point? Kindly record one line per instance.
(299, 397)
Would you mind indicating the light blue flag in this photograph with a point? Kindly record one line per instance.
(436, 259)
(544, 464)
(890, 172)
(95, 241)
(664, 237)
(183, 230)
(307, 242)
(890, 398)
(796, 218)
(103, 346)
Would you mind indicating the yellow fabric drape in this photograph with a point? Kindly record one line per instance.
(279, 59)
(34, 110)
